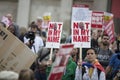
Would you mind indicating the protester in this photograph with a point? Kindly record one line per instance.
(94, 39)
(75, 54)
(8, 75)
(104, 53)
(42, 29)
(11, 29)
(41, 64)
(26, 74)
(23, 30)
(50, 62)
(2, 24)
(32, 39)
(91, 69)
(118, 42)
(69, 73)
(11, 22)
(114, 66)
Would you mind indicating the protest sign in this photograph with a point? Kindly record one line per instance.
(81, 34)
(81, 19)
(97, 19)
(14, 55)
(54, 34)
(81, 13)
(60, 63)
(108, 25)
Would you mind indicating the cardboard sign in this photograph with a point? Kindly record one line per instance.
(14, 55)
(54, 34)
(81, 34)
(60, 63)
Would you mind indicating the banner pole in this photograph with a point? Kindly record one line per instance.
(80, 67)
(80, 55)
(51, 54)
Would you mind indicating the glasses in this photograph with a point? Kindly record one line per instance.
(105, 38)
(99, 30)
(90, 53)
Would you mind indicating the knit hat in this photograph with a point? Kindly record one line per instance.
(8, 75)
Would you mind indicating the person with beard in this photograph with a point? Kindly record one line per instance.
(104, 53)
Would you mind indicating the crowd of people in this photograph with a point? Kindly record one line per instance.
(100, 62)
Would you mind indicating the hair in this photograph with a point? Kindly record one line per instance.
(104, 35)
(3, 24)
(8, 75)
(92, 49)
(33, 26)
(26, 74)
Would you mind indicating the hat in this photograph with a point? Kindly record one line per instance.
(8, 75)
(39, 18)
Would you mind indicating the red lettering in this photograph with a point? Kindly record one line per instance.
(59, 26)
(87, 31)
(75, 31)
(81, 38)
(83, 32)
(86, 25)
(50, 32)
(75, 39)
(56, 33)
(75, 25)
(51, 26)
(53, 39)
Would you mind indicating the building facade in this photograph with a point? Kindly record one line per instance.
(26, 11)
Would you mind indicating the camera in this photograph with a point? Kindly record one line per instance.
(31, 36)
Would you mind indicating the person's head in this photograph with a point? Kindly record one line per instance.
(81, 25)
(105, 40)
(3, 24)
(75, 51)
(94, 34)
(26, 74)
(9, 16)
(33, 28)
(91, 54)
(99, 32)
(39, 20)
(11, 28)
(8, 75)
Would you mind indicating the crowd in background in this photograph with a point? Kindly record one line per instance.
(102, 59)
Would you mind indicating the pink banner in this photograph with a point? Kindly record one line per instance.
(109, 29)
(60, 62)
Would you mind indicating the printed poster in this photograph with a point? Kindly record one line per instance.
(81, 34)
(97, 19)
(54, 34)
